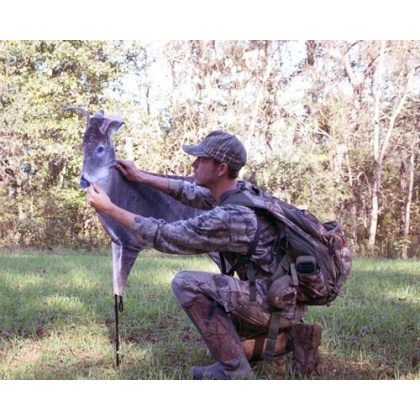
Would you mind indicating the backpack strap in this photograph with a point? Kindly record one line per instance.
(276, 315)
(236, 197)
(284, 266)
(273, 331)
(245, 260)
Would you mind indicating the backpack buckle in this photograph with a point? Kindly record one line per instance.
(305, 264)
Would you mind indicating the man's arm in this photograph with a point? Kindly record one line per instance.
(130, 172)
(185, 192)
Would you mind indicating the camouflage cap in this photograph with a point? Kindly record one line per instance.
(221, 146)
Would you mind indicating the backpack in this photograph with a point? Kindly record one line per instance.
(314, 254)
(313, 258)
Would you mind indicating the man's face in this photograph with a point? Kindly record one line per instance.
(205, 171)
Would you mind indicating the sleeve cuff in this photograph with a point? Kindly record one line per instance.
(145, 227)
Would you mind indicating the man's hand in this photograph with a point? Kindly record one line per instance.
(129, 170)
(98, 199)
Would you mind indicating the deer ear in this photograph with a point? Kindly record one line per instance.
(114, 124)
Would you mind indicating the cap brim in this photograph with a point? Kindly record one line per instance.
(194, 151)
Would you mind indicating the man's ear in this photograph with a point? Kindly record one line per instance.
(223, 169)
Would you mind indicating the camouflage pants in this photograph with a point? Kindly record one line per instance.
(250, 317)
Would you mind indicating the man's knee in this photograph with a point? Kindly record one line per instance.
(178, 282)
(183, 286)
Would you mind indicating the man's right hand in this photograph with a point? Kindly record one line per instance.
(129, 170)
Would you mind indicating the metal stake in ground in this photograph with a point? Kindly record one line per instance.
(119, 307)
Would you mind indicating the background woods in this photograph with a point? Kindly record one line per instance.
(330, 124)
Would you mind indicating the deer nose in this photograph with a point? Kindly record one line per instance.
(84, 183)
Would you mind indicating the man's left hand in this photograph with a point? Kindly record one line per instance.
(98, 199)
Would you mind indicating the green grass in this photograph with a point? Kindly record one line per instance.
(57, 321)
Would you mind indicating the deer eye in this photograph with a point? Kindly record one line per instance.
(101, 149)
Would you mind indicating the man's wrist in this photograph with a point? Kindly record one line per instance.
(110, 210)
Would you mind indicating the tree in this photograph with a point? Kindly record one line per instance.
(381, 142)
(331, 124)
(38, 143)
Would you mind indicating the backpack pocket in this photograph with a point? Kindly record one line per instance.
(312, 289)
(282, 293)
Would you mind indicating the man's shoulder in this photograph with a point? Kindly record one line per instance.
(249, 195)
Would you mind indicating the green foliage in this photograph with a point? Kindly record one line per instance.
(302, 179)
(39, 145)
(304, 110)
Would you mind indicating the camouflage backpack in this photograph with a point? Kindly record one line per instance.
(314, 255)
(313, 259)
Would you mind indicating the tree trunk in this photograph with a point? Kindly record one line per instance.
(380, 148)
(374, 213)
(411, 171)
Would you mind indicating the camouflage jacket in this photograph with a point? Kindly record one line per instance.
(228, 228)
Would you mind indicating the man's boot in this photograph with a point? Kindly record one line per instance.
(304, 340)
(222, 340)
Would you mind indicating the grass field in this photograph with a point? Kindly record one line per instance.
(57, 321)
